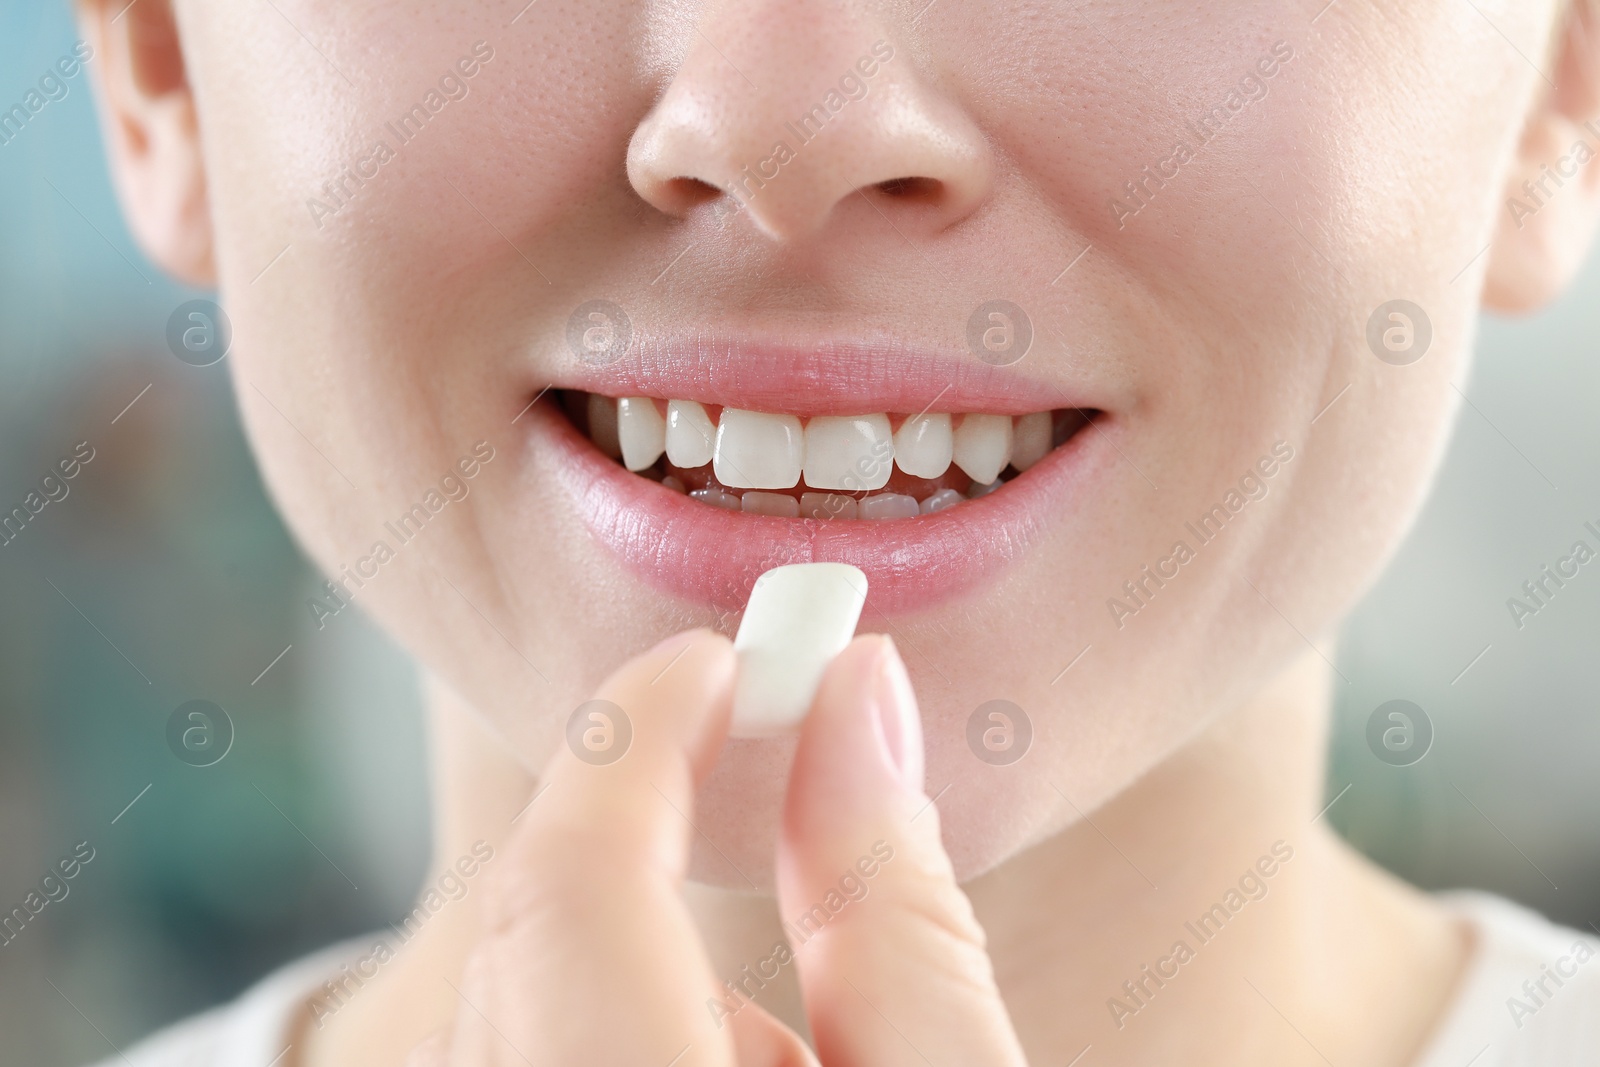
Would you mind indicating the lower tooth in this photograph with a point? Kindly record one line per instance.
(944, 498)
(674, 484)
(828, 506)
(889, 506)
(974, 491)
(717, 499)
(779, 504)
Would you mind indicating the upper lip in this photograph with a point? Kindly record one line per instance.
(823, 377)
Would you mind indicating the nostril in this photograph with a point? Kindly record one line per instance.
(686, 193)
(912, 190)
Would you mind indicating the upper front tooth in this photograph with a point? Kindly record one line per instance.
(641, 432)
(851, 452)
(1030, 440)
(603, 425)
(922, 445)
(982, 446)
(755, 450)
(690, 434)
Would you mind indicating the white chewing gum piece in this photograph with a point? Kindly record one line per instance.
(798, 619)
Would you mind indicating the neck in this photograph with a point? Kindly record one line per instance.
(1188, 913)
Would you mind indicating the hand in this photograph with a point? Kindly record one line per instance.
(591, 957)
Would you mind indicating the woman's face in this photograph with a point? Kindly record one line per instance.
(806, 207)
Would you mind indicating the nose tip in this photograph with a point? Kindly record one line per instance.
(787, 149)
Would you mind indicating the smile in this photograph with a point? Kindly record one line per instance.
(829, 467)
(702, 474)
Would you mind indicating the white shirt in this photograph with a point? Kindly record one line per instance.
(1527, 998)
(1530, 998)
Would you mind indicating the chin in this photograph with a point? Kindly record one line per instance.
(693, 467)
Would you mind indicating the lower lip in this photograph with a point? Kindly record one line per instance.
(712, 556)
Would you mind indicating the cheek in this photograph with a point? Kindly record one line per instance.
(358, 285)
(1253, 269)
(1342, 180)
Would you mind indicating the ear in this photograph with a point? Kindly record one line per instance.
(1553, 193)
(152, 134)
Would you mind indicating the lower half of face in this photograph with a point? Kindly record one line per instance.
(1115, 376)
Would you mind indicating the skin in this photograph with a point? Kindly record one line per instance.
(1224, 317)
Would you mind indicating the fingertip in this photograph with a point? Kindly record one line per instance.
(681, 690)
(702, 640)
(650, 733)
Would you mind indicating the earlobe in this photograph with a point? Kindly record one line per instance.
(1552, 197)
(152, 132)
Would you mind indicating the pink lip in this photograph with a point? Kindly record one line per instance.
(831, 378)
(711, 556)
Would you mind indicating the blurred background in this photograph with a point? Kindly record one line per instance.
(164, 577)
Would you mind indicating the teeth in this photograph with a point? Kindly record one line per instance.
(641, 432)
(1030, 439)
(779, 504)
(889, 506)
(831, 506)
(827, 506)
(981, 446)
(835, 458)
(922, 445)
(717, 499)
(851, 452)
(755, 450)
(603, 425)
(690, 434)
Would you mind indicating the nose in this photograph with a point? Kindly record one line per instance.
(783, 109)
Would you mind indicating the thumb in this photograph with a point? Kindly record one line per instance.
(890, 958)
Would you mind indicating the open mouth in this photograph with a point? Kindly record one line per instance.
(873, 466)
(699, 463)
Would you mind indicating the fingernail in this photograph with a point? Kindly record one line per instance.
(898, 716)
